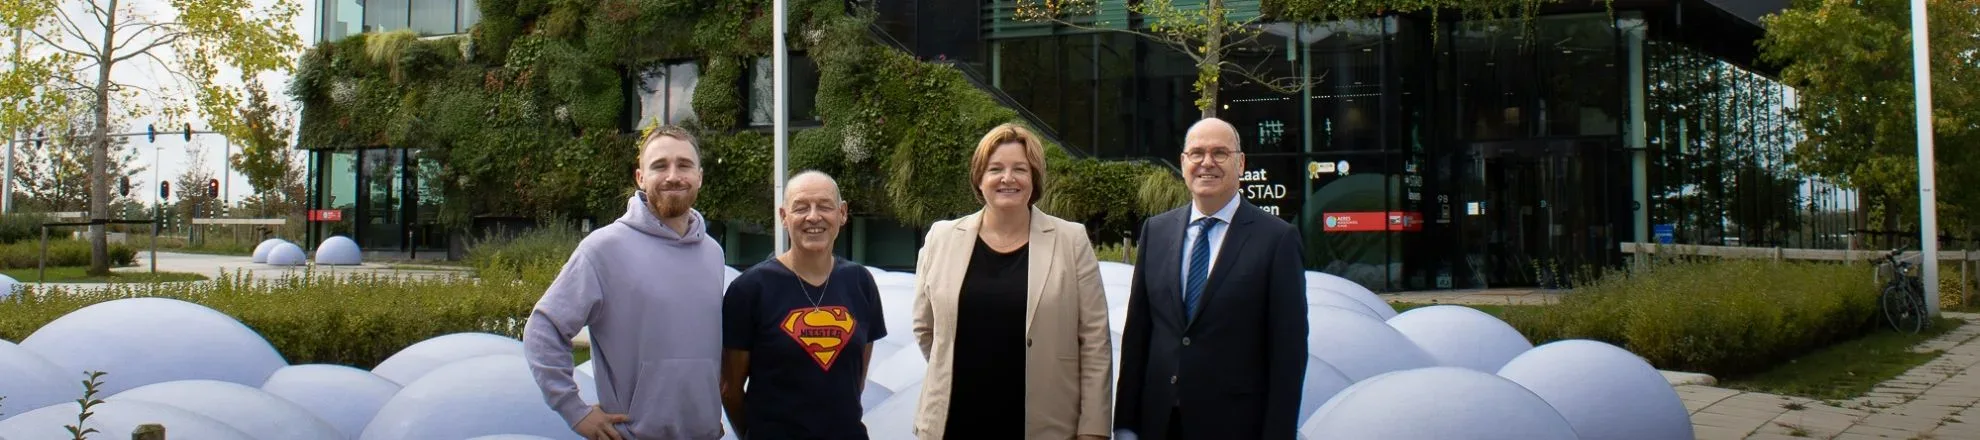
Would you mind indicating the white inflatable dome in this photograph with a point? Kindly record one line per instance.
(7, 286)
(114, 417)
(1322, 382)
(339, 251)
(28, 381)
(143, 341)
(894, 418)
(287, 254)
(250, 410)
(1458, 336)
(346, 398)
(587, 383)
(1360, 346)
(1437, 403)
(1352, 290)
(1606, 393)
(488, 395)
(408, 365)
(261, 250)
(1320, 297)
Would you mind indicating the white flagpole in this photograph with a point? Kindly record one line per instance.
(1928, 213)
(779, 57)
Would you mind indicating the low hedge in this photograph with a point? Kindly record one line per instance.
(1724, 318)
(356, 321)
(64, 252)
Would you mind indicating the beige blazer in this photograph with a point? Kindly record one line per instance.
(1068, 359)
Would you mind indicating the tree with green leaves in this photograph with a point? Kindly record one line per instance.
(265, 157)
(193, 43)
(1851, 62)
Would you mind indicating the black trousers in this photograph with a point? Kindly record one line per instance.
(1175, 424)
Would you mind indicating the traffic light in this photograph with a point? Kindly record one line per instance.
(213, 188)
(124, 186)
(164, 190)
(151, 132)
(188, 132)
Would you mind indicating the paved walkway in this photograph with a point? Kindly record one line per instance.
(1496, 297)
(213, 265)
(1933, 401)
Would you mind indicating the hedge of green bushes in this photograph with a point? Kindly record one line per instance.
(64, 252)
(1724, 318)
(357, 321)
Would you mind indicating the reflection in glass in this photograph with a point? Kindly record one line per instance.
(386, 15)
(342, 18)
(433, 17)
(666, 94)
(801, 90)
(383, 220)
(341, 178)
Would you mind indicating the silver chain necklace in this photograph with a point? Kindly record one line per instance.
(806, 289)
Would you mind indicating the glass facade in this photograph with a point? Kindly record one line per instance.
(388, 198)
(1462, 154)
(666, 94)
(344, 18)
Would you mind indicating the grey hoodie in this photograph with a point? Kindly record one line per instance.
(653, 300)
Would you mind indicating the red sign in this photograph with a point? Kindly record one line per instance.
(326, 215)
(1371, 221)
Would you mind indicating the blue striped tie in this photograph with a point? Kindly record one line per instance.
(1199, 265)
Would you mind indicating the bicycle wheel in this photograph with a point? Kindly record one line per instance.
(1901, 310)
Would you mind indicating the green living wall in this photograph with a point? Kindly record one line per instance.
(529, 112)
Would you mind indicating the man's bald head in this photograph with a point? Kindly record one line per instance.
(809, 180)
(1213, 128)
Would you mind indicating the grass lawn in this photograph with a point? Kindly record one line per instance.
(1848, 369)
(579, 356)
(76, 274)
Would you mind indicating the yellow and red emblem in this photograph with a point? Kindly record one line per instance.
(822, 332)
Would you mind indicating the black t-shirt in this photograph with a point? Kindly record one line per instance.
(987, 391)
(806, 360)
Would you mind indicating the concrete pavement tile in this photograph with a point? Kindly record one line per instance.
(1776, 436)
(1880, 432)
(1744, 413)
(1816, 420)
(1901, 423)
(1742, 424)
(1718, 433)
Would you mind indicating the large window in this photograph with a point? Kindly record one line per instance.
(666, 94)
(341, 18)
(427, 17)
(801, 90)
(1583, 92)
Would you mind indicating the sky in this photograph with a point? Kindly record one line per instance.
(170, 152)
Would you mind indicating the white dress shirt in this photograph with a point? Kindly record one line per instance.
(1217, 234)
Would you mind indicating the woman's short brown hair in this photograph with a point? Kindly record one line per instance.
(1034, 152)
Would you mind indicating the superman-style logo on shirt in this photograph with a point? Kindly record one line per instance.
(822, 332)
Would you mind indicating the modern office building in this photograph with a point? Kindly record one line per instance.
(1424, 152)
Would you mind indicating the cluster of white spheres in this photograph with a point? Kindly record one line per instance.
(1371, 373)
(337, 250)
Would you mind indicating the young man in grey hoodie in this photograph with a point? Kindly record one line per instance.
(650, 288)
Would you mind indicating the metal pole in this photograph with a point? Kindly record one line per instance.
(780, 121)
(7, 186)
(1928, 212)
(154, 240)
(41, 268)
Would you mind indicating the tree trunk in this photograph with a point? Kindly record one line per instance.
(99, 161)
(1213, 60)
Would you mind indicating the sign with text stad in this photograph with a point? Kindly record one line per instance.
(1372, 221)
(326, 215)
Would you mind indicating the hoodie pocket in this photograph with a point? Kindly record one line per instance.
(686, 402)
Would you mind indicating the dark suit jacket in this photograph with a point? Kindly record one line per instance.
(1236, 370)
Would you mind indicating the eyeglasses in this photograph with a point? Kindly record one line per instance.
(1218, 156)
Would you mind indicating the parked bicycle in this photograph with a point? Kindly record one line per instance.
(1903, 299)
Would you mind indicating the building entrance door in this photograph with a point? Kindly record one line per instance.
(1542, 214)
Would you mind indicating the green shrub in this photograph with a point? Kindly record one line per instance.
(537, 251)
(1720, 317)
(63, 252)
(348, 320)
(15, 228)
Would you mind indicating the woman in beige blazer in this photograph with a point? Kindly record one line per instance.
(1010, 312)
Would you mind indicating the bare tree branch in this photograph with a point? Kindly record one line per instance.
(1285, 85)
(147, 27)
(69, 24)
(44, 39)
(128, 39)
(184, 79)
(100, 14)
(147, 49)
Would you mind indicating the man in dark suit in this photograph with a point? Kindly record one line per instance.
(1215, 344)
